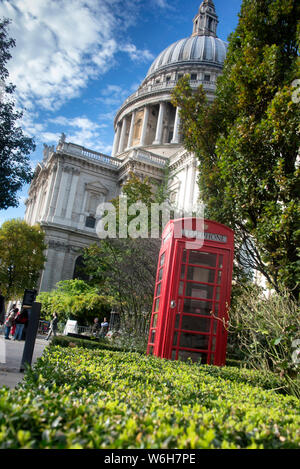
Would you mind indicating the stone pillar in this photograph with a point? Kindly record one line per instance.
(123, 135)
(50, 192)
(54, 198)
(61, 194)
(145, 126)
(130, 138)
(176, 136)
(82, 211)
(116, 140)
(160, 122)
(72, 195)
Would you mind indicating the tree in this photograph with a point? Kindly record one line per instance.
(125, 269)
(21, 257)
(15, 147)
(248, 140)
(74, 299)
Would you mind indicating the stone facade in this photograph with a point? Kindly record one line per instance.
(72, 181)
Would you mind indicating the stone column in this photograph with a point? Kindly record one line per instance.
(123, 135)
(50, 192)
(145, 126)
(116, 140)
(82, 211)
(176, 136)
(130, 138)
(54, 198)
(160, 121)
(72, 195)
(61, 194)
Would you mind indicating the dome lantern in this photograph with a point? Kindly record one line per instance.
(206, 21)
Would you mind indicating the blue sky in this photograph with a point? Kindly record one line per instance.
(76, 61)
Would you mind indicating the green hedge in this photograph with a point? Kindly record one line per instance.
(67, 341)
(80, 398)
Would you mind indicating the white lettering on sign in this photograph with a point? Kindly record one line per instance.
(207, 236)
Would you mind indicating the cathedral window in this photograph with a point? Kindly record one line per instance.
(90, 222)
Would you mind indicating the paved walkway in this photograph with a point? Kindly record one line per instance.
(11, 353)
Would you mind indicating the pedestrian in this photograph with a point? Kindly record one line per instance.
(9, 321)
(96, 327)
(53, 326)
(104, 328)
(20, 321)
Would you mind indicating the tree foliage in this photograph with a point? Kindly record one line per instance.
(15, 147)
(248, 140)
(73, 299)
(21, 257)
(125, 269)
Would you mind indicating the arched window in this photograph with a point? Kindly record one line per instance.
(79, 269)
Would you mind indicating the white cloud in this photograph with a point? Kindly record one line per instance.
(79, 130)
(161, 3)
(62, 44)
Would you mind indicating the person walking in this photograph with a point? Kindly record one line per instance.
(104, 328)
(53, 326)
(96, 327)
(9, 321)
(20, 321)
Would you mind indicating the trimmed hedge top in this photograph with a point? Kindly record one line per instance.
(78, 398)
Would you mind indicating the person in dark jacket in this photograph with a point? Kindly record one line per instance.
(53, 326)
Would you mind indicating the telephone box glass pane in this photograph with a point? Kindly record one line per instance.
(182, 274)
(177, 321)
(203, 258)
(194, 323)
(160, 276)
(199, 274)
(162, 259)
(197, 307)
(180, 290)
(220, 261)
(194, 356)
(154, 321)
(152, 340)
(158, 290)
(156, 308)
(175, 339)
(196, 290)
(151, 350)
(194, 341)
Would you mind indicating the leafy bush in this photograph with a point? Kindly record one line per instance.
(91, 344)
(78, 398)
(264, 331)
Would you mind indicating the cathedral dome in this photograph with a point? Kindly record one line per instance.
(194, 49)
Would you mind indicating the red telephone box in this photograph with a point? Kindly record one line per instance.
(192, 292)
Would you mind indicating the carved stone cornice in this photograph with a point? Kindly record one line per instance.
(63, 247)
